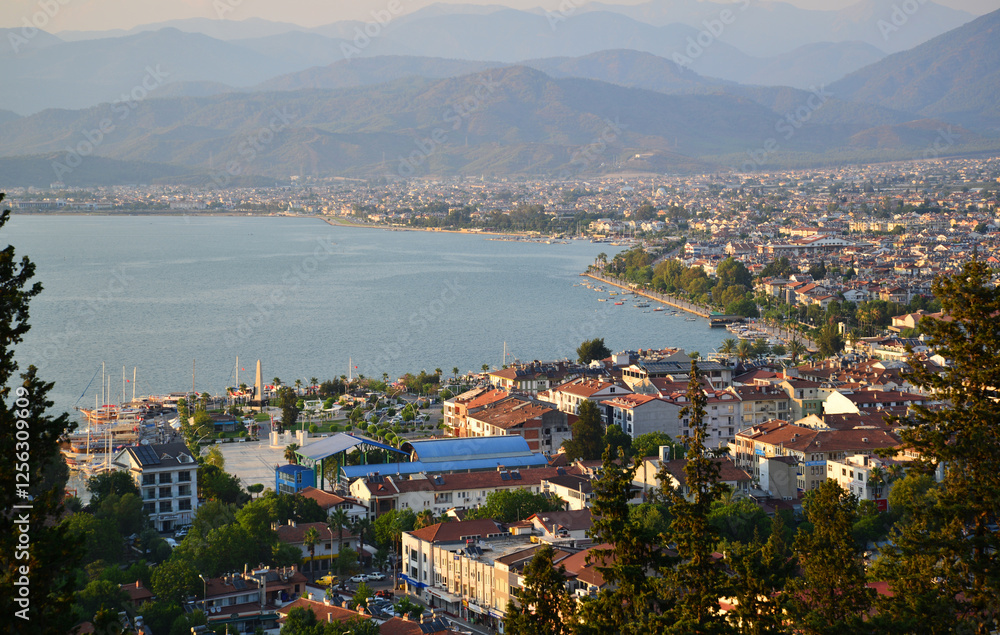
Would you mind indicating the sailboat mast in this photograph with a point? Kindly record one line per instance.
(133, 383)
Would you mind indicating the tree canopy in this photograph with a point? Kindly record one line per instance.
(593, 349)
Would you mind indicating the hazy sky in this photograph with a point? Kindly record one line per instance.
(123, 14)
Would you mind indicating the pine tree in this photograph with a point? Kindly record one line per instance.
(545, 607)
(631, 601)
(35, 555)
(831, 597)
(945, 556)
(697, 581)
(587, 442)
(760, 572)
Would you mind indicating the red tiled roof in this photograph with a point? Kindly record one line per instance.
(455, 531)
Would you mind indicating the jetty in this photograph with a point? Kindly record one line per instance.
(715, 319)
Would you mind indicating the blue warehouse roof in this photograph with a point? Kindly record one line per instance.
(352, 472)
(499, 447)
(339, 443)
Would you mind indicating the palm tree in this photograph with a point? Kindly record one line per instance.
(437, 371)
(795, 349)
(424, 519)
(310, 540)
(385, 378)
(298, 386)
(361, 526)
(290, 453)
(728, 347)
(276, 382)
(454, 373)
(338, 521)
(744, 350)
(876, 479)
(486, 367)
(313, 382)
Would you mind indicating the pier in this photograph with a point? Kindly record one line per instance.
(781, 333)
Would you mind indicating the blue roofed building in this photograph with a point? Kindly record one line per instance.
(291, 479)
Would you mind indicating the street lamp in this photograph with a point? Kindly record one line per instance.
(204, 594)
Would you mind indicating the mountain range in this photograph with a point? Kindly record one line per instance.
(216, 111)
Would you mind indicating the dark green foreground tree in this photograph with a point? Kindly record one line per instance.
(36, 558)
(947, 577)
(544, 606)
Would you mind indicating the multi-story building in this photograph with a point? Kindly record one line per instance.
(568, 397)
(675, 370)
(441, 492)
(542, 427)
(641, 414)
(457, 409)
(534, 377)
(320, 557)
(865, 476)
(451, 565)
(806, 397)
(167, 477)
(810, 448)
(761, 403)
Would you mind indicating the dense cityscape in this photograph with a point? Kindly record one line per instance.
(733, 269)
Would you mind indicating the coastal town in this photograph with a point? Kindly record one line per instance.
(424, 504)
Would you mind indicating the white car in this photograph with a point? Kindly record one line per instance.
(376, 577)
(361, 577)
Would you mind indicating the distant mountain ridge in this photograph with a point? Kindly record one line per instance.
(511, 120)
(955, 76)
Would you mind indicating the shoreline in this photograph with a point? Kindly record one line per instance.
(783, 334)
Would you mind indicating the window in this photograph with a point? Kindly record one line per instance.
(165, 478)
(184, 505)
(165, 492)
(183, 477)
(149, 479)
(184, 490)
(166, 506)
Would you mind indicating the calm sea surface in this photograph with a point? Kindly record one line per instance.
(163, 293)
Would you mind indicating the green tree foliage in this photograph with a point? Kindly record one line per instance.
(124, 511)
(829, 340)
(632, 599)
(176, 580)
(390, 526)
(160, 616)
(615, 438)
(649, 445)
(696, 581)
(406, 606)
(289, 411)
(593, 349)
(732, 272)
(32, 471)
(218, 485)
(512, 505)
(543, 605)
(96, 595)
(587, 441)
(114, 482)
(93, 539)
(778, 268)
(831, 596)
(760, 573)
(738, 521)
(944, 548)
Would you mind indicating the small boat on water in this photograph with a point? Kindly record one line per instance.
(602, 299)
(642, 305)
(619, 303)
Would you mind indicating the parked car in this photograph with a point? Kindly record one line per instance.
(361, 577)
(328, 580)
(377, 577)
(384, 593)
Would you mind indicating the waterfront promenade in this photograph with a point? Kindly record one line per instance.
(780, 332)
